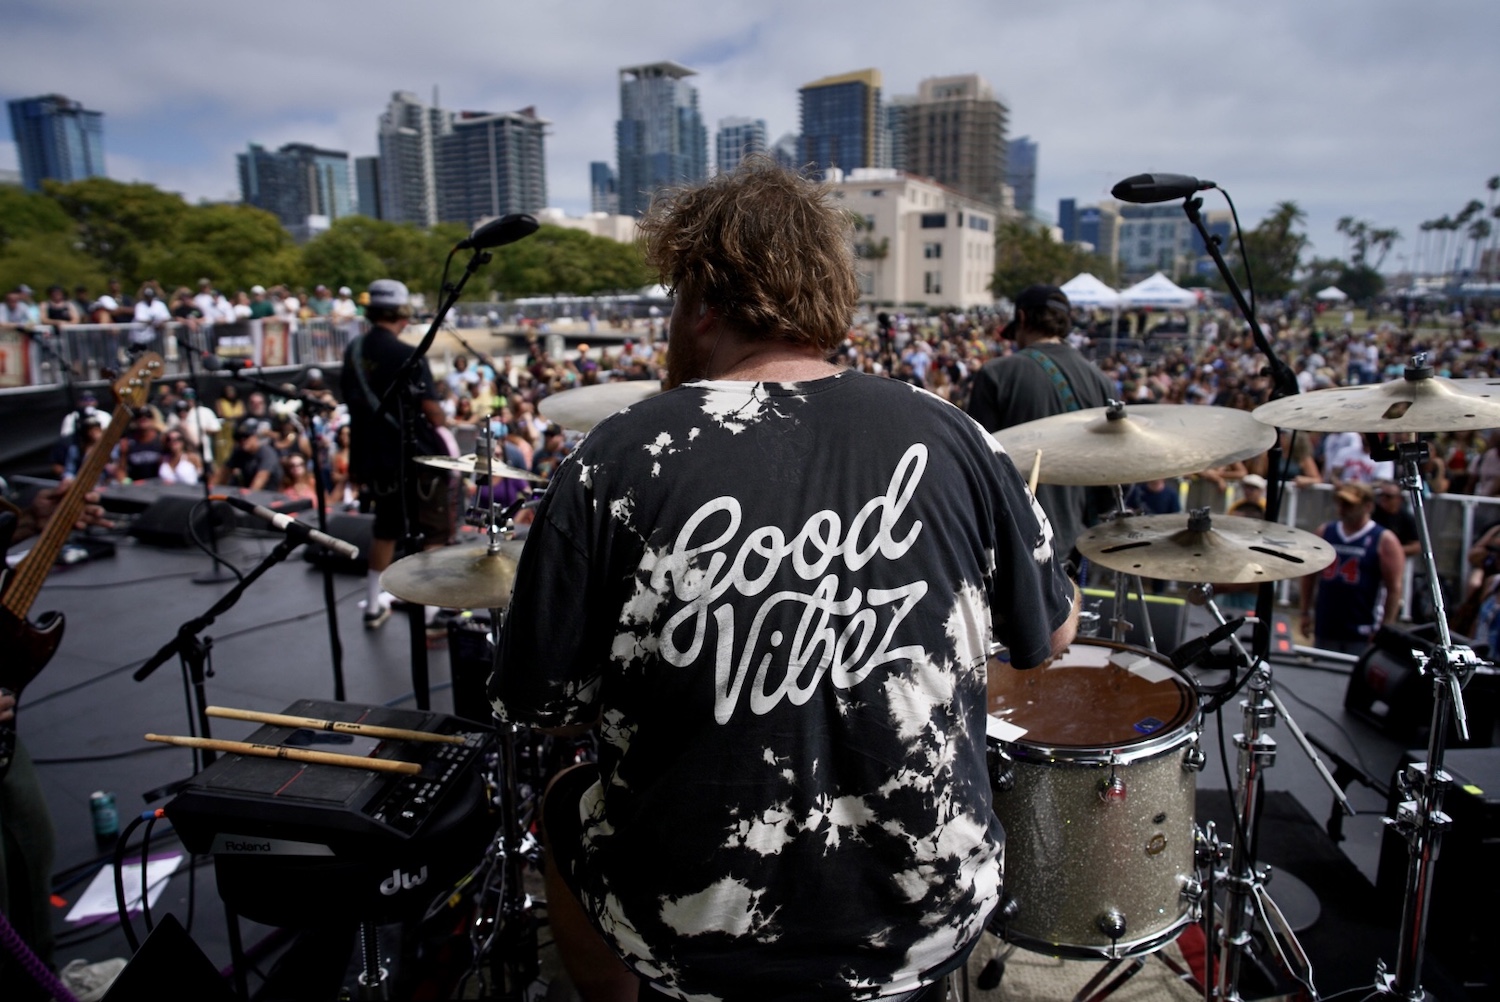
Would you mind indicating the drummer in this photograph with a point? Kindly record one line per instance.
(778, 603)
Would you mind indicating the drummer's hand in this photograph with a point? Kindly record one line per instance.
(7, 706)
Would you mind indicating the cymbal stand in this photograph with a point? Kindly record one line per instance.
(1419, 815)
(1123, 581)
(1247, 899)
(504, 932)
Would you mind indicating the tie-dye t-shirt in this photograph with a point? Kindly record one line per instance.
(778, 600)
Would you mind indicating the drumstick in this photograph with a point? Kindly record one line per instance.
(294, 754)
(342, 726)
(1036, 471)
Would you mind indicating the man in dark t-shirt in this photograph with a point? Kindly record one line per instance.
(254, 464)
(776, 604)
(371, 363)
(1043, 377)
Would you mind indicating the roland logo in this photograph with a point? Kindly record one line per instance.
(234, 845)
(399, 881)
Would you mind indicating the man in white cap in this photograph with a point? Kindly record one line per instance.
(260, 306)
(371, 363)
(344, 307)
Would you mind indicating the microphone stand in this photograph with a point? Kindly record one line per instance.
(217, 575)
(194, 654)
(403, 393)
(1245, 882)
(330, 607)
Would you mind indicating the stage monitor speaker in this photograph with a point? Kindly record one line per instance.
(351, 527)
(1462, 930)
(1388, 692)
(165, 522)
(471, 660)
(1168, 618)
(169, 965)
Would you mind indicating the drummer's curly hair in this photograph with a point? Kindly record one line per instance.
(763, 247)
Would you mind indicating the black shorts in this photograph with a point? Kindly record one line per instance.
(436, 508)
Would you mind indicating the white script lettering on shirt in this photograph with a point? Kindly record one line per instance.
(703, 571)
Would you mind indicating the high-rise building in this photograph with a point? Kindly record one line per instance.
(491, 165)
(784, 151)
(367, 184)
(897, 110)
(295, 182)
(953, 131)
(604, 191)
(1161, 238)
(1020, 172)
(56, 139)
(1095, 225)
(842, 123)
(736, 139)
(408, 137)
(1067, 219)
(660, 138)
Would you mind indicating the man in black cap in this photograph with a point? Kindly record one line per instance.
(1044, 376)
(254, 463)
(371, 363)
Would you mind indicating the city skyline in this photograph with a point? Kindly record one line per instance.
(1377, 109)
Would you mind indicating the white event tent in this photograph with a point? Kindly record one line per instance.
(1158, 291)
(1084, 290)
(1332, 294)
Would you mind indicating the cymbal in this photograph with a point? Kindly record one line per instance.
(456, 577)
(472, 463)
(582, 408)
(1224, 549)
(1421, 405)
(1088, 448)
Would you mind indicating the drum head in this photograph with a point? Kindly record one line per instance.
(1095, 695)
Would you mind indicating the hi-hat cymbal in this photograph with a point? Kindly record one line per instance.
(1429, 404)
(456, 577)
(1227, 549)
(472, 463)
(1103, 446)
(582, 408)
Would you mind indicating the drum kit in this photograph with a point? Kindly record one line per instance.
(1094, 755)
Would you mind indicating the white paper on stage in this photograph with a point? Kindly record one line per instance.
(98, 901)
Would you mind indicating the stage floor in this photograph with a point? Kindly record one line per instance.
(83, 719)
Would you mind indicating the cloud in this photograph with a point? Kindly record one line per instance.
(1375, 108)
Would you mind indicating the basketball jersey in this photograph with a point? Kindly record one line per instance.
(1350, 589)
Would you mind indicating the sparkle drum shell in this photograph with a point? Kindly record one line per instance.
(1094, 760)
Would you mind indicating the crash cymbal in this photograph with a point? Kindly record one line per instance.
(1224, 549)
(1425, 404)
(456, 577)
(586, 406)
(1122, 444)
(472, 463)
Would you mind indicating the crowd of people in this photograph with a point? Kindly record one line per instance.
(151, 304)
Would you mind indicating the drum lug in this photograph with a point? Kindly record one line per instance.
(1002, 771)
(1112, 924)
(1192, 891)
(1193, 759)
(1112, 790)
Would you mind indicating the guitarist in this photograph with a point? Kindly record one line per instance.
(26, 837)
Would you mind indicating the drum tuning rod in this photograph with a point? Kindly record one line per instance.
(341, 726)
(293, 754)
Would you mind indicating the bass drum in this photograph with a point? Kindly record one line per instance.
(1094, 759)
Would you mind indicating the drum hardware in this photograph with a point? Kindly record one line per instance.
(1120, 625)
(475, 464)
(1193, 546)
(1116, 444)
(581, 408)
(1247, 899)
(1421, 403)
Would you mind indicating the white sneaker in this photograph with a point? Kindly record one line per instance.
(88, 982)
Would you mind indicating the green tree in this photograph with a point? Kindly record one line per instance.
(1274, 249)
(236, 246)
(118, 223)
(29, 213)
(1027, 255)
(1362, 282)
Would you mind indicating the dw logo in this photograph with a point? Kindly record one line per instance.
(399, 881)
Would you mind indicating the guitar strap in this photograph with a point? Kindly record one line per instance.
(1059, 380)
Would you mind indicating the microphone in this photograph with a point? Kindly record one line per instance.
(299, 531)
(499, 232)
(215, 363)
(1193, 651)
(1146, 188)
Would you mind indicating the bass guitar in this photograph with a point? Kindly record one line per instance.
(26, 647)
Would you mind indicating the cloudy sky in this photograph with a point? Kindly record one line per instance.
(1379, 109)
